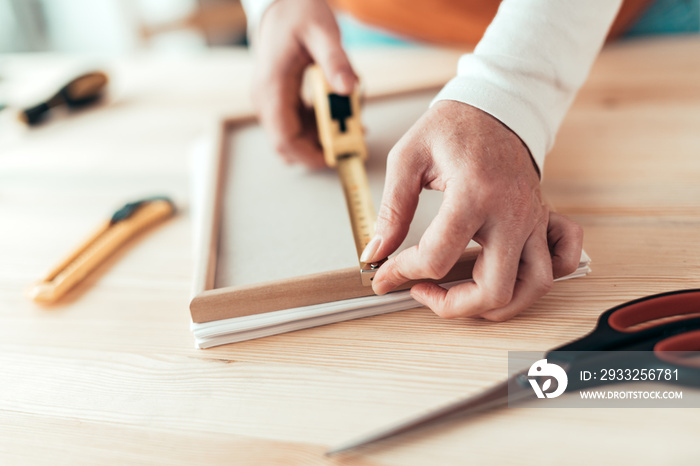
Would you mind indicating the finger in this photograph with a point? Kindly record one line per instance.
(402, 188)
(325, 47)
(565, 238)
(281, 114)
(494, 275)
(534, 277)
(290, 138)
(440, 247)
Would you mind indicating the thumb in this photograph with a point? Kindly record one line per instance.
(399, 202)
(324, 45)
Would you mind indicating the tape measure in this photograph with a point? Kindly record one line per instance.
(342, 138)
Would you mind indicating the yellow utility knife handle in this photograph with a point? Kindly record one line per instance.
(126, 223)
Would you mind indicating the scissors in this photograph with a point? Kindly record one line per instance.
(660, 328)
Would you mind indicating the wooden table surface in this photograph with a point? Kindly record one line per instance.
(111, 375)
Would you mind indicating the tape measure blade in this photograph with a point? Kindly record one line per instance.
(358, 196)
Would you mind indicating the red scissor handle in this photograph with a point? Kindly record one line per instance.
(615, 329)
(676, 303)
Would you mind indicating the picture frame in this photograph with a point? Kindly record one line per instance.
(211, 303)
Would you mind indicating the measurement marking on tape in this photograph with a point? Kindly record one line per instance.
(341, 135)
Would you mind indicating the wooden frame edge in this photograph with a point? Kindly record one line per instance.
(306, 290)
(206, 252)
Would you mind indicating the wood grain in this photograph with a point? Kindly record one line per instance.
(111, 375)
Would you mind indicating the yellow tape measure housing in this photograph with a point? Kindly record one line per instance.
(342, 137)
(338, 119)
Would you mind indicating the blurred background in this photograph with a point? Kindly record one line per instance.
(39, 38)
(111, 27)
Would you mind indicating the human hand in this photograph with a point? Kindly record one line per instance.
(491, 195)
(292, 35)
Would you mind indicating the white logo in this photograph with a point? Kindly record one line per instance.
(543, 368)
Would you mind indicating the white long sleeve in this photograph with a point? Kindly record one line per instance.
(532, 60)
(254, 9)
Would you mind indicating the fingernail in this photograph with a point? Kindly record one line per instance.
(343, 83)
(371, 249)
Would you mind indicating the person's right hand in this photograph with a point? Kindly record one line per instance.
(491, 195)
(292, 35)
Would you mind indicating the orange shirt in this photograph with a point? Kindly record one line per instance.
(452, 22)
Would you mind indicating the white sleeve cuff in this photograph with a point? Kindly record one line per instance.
(512, 110)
